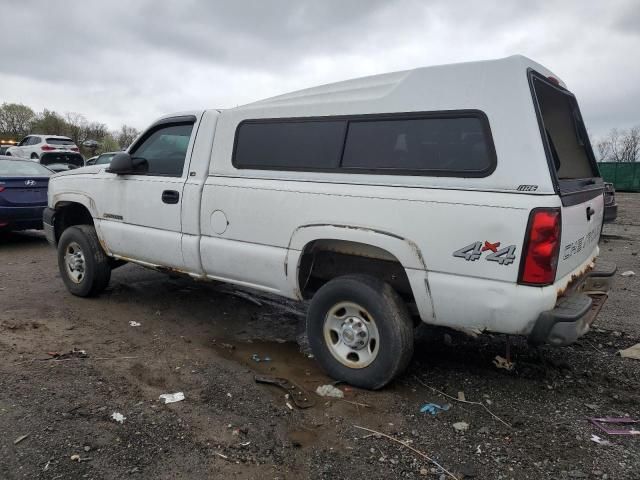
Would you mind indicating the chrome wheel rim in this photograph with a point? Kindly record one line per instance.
(351, 335)
(74, 261)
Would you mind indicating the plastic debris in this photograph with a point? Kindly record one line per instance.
(329, 391)
(597, 439)
(628, 273)
(461, 396)
(501, 362)
(461, 426)
(172, 397)
(256, 358)
(134, 324)
(434, 408)
(628, 426)
(118, 417)
(75, 353)
(75, 458)
(631, 352)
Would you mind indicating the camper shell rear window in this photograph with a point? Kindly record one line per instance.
(564, 134)
(451, 143)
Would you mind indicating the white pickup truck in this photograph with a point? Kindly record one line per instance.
(463, 195)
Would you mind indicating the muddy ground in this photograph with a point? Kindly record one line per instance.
(199, 339)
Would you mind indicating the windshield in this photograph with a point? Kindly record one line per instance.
(565, 131)
(17, 168)
(60, 141)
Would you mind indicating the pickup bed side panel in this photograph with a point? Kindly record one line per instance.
(262, 216)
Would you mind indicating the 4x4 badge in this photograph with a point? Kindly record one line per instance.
(473, 251)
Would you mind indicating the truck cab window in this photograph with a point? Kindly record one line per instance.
(165, 150)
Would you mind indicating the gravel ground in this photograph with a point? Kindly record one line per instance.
(199, 338)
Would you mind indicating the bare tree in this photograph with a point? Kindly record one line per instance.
(15, 119)
(126, 136)
(620, 146)
(76, 127)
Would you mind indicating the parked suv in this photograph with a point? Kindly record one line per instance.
(464, 196)
(48, 150)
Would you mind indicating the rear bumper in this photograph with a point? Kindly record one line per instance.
(574, 314)
(48, 222)
(21, 218)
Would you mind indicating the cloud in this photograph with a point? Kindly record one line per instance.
(129, 62)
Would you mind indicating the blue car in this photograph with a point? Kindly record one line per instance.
(23, 193)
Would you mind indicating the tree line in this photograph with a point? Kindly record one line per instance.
(18, 120)
(619, 146)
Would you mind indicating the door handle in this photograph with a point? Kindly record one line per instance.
(170, 196)
(590, 213)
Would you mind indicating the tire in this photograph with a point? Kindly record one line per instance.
(34, 156)
(7, 154)
(338, 315)
(83, 265)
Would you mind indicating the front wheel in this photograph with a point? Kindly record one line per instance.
(360, 331)
(83, 265)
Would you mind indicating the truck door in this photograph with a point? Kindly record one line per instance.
(140, 214)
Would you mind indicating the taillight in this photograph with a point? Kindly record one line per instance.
(541, 247)
(1, 188)
(75, 149)
(47, 148)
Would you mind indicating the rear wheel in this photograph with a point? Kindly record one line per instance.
(360, 331)
(34, 156)
(83, 265)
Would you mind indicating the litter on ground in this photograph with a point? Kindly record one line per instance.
(461, 426)
(118, 417)
(601, 441)
(628, 273)
(434, 408)
(329, 391)
(503, 363)
(20, 438)
(628, 426)
(172, 397)
(133, 323)
(256, 358)
(631, 352)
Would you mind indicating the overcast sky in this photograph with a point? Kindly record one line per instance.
(131, 61)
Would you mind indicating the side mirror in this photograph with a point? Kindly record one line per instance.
(122, 164)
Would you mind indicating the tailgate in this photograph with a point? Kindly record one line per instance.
(581, 226)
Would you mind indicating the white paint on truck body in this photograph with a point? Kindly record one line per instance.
(419, 220)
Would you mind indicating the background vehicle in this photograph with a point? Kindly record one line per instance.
(476, 205)
(48, 149)
(102, 159)
(23, 193)
(5, 146)
(610, 205)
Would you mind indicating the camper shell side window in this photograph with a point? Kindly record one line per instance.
(450, 143)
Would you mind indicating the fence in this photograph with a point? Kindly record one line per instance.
(624, 176)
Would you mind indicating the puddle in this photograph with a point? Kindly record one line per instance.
(285, 360)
